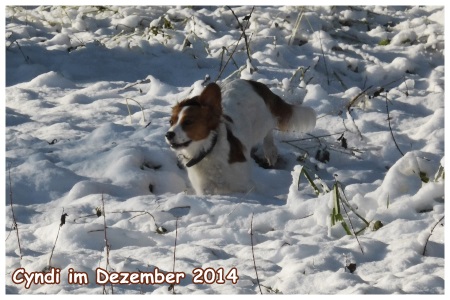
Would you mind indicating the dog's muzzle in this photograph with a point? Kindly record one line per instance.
(170, 136)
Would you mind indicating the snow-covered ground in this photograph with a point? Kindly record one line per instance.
(73, 74)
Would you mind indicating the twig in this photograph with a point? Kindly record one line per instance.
(221, 58)
(159, 229)
(428, 238)
(143, 81)
(10, 231)
(229, 58)
(406, 86)
(352, 102)
(63, 217)
(87, 216)
(143, 213)
(12, 211)
(393, 81)
(243, 67)
(53, 249)
(314, 137)
(237, 205)
(354, 123)
(346, 202)
(96, 230)
(310, 215)
(107, 245)
(243, 29)
(172, 286)
(324, 60)
(351, 225)
(349, 106)
(302, 71)
(234, 50)
(295, 146)
(27, 58)
(351, 151)
(253, 254)
(340, 80)
(390, 128)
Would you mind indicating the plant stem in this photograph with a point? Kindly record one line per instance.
(390, 128)
(428, 238)
(12, 211)
(253, 254)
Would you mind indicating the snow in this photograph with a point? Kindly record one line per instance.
(89, 92)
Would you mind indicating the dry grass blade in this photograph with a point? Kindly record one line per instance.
(129, 111)
(390, 127)
(428, 238)
(296, 26)
(12, 212)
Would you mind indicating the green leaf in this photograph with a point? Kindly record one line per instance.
(336, 198)
(377, 225)
(346, 228)
(168, 24)
(310, 180)
(424, 177)
(440, 174)
(384, 42)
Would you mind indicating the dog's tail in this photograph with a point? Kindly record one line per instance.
(289, 117)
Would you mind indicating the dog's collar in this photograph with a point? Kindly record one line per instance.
(202, 154)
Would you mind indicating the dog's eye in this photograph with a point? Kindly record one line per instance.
(187, 122)
(171, 122)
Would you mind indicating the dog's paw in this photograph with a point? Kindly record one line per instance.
(271, 156)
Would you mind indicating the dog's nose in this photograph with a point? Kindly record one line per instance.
(170, 135)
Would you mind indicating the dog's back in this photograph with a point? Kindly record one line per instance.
(256, 111)
(251, 118)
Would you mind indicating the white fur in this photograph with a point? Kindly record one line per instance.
(214, 175)
(180, 135)
(252, 125)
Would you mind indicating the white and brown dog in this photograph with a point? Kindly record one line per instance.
(215, 132)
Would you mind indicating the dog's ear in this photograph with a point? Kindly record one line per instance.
(211, 97)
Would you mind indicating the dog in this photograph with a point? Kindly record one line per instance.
(214, 133)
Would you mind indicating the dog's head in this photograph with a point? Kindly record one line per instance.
(194, 119)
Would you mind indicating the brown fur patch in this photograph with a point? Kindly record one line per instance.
(177, 108)
(202, 115)
(236, 148)
(280, 109)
